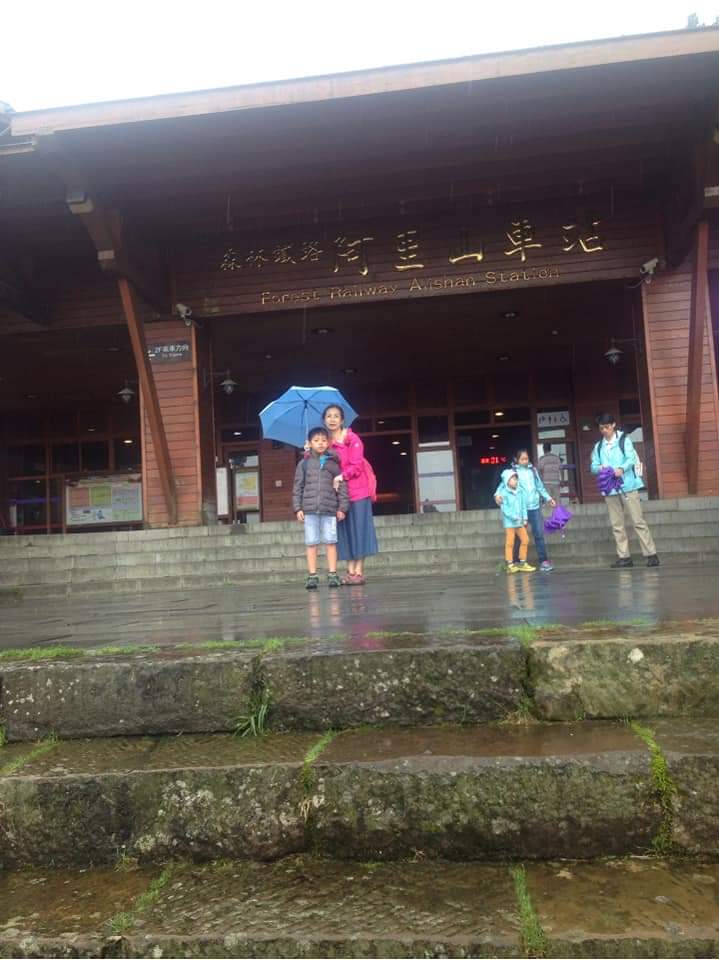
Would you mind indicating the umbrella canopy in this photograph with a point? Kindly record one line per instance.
(559, 518)
(290, 417)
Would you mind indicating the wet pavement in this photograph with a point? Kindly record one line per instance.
(425, 605)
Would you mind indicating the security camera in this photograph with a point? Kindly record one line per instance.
(184, 313)
(648, 268)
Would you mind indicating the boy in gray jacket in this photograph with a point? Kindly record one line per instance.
(318, 505)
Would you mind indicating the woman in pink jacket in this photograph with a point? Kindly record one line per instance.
(356, 538)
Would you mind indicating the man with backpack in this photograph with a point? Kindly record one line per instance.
(616, 451)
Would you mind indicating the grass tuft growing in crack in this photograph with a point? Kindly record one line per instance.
(124, 920)
(3, 735)
(534, 941)
(254, 722)
(44, 746)
(312, 756)
(664, 787)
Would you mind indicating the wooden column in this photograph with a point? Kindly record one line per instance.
(697, 324)
(150, 399)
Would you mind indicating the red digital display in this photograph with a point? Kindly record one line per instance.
(492, 461)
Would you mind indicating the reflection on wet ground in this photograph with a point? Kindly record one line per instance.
(440, 607)
(588, 738)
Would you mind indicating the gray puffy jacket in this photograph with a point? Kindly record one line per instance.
(313, 491)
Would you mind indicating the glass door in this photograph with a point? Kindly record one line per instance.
(245, 498)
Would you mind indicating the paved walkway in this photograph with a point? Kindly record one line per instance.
(423, 604)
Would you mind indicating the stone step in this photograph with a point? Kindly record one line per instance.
(304, 908)
(554, 673)
(579, 790)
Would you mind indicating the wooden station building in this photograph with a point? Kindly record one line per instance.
(464, 248)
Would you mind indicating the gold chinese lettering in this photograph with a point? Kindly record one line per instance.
(521, 236)
(257, 258)
(351, 252)
(465, 251)
(588, 239)
(408, 251)
(310, 251)
(283, 253)
(231, 260)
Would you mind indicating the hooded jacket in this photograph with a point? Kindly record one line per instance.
(351, 457)
(313, 489)
(514, 502)
(609, 454)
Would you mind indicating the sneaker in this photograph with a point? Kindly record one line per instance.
(653, 561)
(623, 562)
(546, 566)
(333, 580)
(512, 567)
(526, 567)
(313, 581)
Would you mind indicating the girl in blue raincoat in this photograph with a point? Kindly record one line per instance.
(511, 499)
(535, 493)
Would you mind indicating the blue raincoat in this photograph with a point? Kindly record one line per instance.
(610, 454)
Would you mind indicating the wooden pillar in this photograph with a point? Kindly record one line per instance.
(697, 325)
(150, 402)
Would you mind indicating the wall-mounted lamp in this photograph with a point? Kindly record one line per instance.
(184, 313)
(127, 393)
(227, 384)
(614, 354)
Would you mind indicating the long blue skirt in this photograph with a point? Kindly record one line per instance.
(355, 534)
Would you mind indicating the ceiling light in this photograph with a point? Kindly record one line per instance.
(380, 422)
(31, 396)
(228, 385)
(91, 429)
(403, 453)
(510, 314)
(499, 413)
(268, 356)
(127, 393)
(395, 443)
(503, 357)
(492, 448)
(555, 333)
(128, 442)
(113, 349)
(322, 331)
(237, 433)
(495, 436)
(349, 370)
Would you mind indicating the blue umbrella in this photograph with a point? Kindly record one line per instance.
(290, 417)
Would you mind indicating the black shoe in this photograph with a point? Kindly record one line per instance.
(623, 562)
(653, 561)
(313, 581)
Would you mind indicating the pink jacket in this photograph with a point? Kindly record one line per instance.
(351, 454)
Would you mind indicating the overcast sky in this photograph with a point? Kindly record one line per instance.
(60, 52)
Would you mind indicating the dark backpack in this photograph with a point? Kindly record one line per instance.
(598, 445)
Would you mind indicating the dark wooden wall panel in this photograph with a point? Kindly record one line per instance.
(278, 464)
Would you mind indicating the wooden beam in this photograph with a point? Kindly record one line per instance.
(697, 323)
(150, 398)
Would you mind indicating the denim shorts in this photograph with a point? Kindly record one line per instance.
(320, 528)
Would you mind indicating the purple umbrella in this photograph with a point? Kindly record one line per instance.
(558, 519)
(607, 482)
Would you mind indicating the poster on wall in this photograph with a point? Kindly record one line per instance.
(103, 500)
(247, 490)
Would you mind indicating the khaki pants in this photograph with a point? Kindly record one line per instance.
(629, 502)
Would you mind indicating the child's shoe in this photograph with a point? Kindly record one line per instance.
(546, 566)
(526, 567)
(333, 580)
(313, 581)
(513, 568)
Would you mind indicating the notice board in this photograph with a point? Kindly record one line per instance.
(103, 500)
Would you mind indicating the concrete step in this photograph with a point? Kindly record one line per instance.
(372, 678)
(303, 908)
(580, 790)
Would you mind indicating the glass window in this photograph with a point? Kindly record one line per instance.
(433, 431)
(26, 461)
(471, 418)
(30, 497)
(393, 423)
(26, 427)
(55, 502)
(435, 476)
(127, 452)
(249, 458)
(65, 458)
(94, 455)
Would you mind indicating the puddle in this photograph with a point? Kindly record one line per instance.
(536, 740)
(637, 898)
(122, 754)
(687, 736)
(52, 902)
